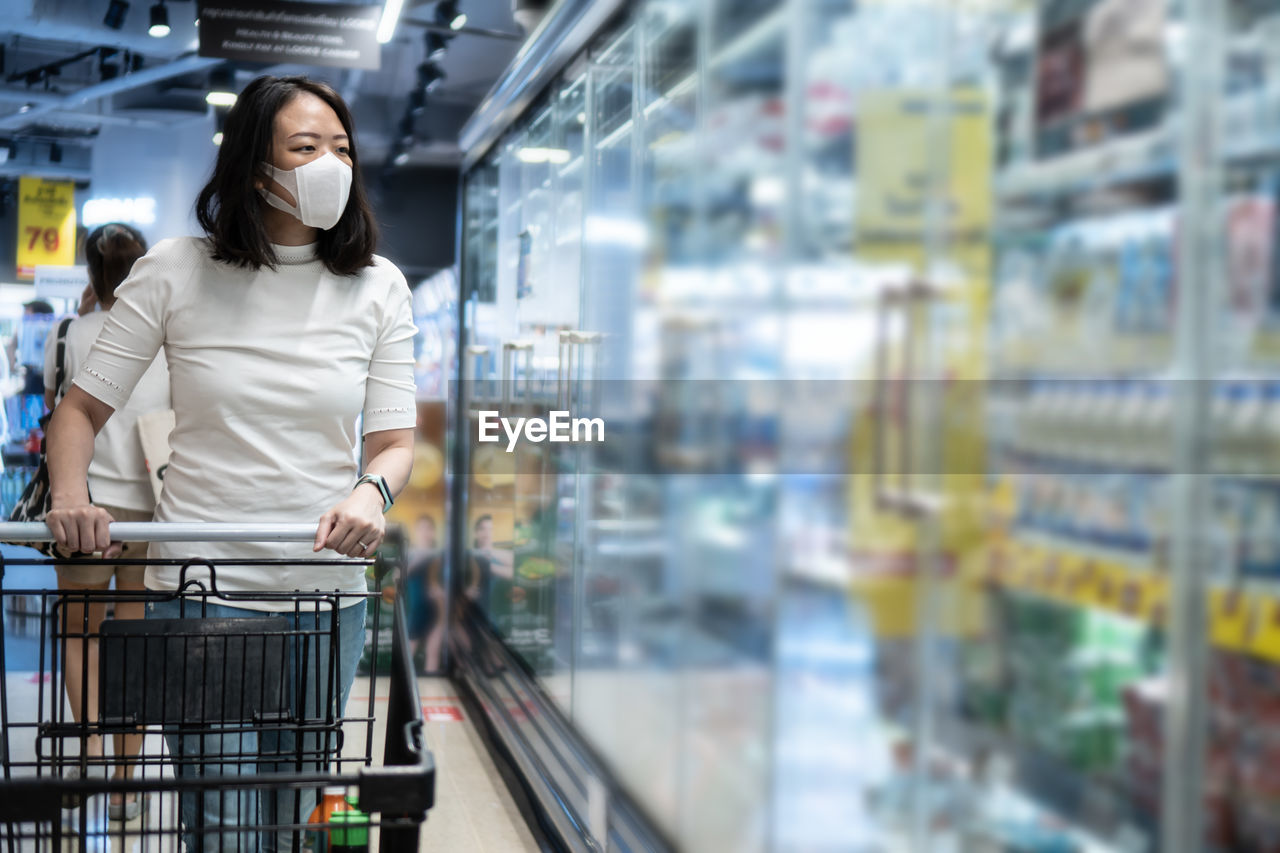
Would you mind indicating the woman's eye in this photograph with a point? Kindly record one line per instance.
(346, 152)
(306, 148)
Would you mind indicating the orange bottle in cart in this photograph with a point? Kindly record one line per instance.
(331, 800)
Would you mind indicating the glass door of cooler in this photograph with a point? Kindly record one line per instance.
(1060, 711)
(524, 211)
(1232, 607)
(609, 704)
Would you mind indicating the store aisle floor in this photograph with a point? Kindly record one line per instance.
(473, 809)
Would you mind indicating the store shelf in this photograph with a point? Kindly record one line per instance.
(1146, 156)
(571, 167)
(979, 833)
(759, 35)
(1126, 160)
(1244, 614)
(618, 134)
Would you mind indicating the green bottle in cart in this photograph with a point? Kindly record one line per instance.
(349, 831)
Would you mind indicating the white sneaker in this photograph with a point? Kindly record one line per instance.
(94, 810)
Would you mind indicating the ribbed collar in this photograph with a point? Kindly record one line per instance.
(295, 254)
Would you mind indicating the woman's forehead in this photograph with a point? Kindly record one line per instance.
(308, 112)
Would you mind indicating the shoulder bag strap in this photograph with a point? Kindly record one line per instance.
(60, 373)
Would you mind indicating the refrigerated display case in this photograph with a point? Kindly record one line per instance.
(934, 343)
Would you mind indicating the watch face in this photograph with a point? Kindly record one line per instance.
(381, 483)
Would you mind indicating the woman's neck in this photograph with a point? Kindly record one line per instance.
(284, 229)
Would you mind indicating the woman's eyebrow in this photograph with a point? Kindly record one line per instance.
(314, 135)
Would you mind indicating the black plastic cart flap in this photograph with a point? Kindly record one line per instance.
(192, 671)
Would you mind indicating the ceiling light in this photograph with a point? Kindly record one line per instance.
(116, 10)
(447, 15)
(217, 138)
(387, 23)
(542, 155)
(436, 44)
(401, 158)
(222, 87)
(159, 21)
(417, 102)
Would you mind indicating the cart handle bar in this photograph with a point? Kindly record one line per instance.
(168, 531)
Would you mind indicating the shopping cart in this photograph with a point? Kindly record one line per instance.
(247, 744)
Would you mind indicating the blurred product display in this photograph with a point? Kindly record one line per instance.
(887, 308)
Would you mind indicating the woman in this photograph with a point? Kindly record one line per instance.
(119, 483)
(281, 327)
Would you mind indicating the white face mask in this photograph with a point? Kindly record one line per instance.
(321, 188)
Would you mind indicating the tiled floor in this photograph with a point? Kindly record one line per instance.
(473, 810)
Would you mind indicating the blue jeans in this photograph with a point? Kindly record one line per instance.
(277, 751)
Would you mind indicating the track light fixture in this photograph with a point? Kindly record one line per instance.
(222, 87)
(447, 15)
(417, 102)
(116, 10)
(436, 44)
(219, 122)
(55, 153)
(159, 21)
(107, 70)
(430, 75)
(407, 130)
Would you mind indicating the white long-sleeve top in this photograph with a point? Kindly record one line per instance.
(269, 370)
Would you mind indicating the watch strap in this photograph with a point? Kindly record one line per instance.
(380, 483)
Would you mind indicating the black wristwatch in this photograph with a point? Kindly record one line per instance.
(381, 483)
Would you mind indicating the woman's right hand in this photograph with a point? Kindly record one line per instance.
(83, 528)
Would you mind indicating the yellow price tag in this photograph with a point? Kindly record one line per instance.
(1142, 595)
(1230, 615)
(1263, 634)
(46, 225)
(1017, 571)
(1109, 589)
(1057, 575)
(1075, 577)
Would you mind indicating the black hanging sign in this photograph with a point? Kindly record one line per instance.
(332, 34)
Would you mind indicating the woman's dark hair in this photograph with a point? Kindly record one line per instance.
(109, 253)
(229, 207)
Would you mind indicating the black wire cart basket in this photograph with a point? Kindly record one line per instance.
(205, 728)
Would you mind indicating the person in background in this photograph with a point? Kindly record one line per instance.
(118, 482)
(26, 348)
(282, 328)
(88, 304)
(486, 561)
(425, 598)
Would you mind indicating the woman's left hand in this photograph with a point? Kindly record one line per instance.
(355, 527)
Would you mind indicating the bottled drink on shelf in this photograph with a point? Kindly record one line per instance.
(1224, 400)
(1268, 462)
(1153, 436)
(1246, 434)
(1127, 443)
